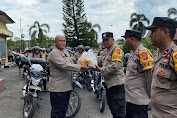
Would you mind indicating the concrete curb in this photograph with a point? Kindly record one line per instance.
(9, 65)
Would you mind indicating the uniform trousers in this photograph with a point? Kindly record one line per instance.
(116, 100)
(136, 111)
(59, 103)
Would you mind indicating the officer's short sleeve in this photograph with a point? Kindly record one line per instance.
(117, 55)
(146, 60)
(175, 60)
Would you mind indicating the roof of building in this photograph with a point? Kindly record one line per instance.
(5, 18)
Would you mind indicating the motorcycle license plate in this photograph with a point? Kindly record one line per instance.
(35, 87)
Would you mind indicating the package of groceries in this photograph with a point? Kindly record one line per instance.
(88, 58)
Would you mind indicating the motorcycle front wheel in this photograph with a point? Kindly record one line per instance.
(102, 100)
(29, 107)
(74, 105)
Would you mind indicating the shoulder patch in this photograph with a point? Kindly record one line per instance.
(146, 60)
(117, 55)
(175, 60)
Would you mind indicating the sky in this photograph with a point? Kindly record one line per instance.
(111, 15)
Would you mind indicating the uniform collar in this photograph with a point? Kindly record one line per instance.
(164, 53)
(139, 47)
(167, 50)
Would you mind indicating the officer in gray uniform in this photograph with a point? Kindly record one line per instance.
(60, 81)
(164, 79)
(138, 76)
(111, 67)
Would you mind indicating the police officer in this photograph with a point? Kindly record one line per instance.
(43, 51)
(78, 54)
(164, 79)
(29, 53)
(87, 48)
(47, 52)
(111, 68)
(60, 82)
(36, 53)
(138, 76)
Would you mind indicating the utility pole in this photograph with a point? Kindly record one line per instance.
(20, 37)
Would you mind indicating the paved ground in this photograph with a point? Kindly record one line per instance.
(12, 105)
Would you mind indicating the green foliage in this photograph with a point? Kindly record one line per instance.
(91, 35)
(10, 43)
(136, 22)
(37, 32)
(15, 44)
(76, 28)
(147, 43)
(125, 49)
(74, 21)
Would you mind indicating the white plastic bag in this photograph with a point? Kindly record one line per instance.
(88, 58)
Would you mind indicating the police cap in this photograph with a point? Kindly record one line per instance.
(133, 33)
(107, 35)
(162, 22)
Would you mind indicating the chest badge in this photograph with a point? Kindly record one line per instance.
(160, 73)
(161, 80)
(166, 51)
(165, 60)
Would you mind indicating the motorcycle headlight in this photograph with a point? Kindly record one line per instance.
(35, 81)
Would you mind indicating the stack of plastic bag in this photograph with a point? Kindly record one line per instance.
(88, 58)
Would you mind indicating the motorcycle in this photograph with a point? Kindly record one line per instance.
(34, 74)
(21, 63)
(32, 89)
(99, 90)
(82, 79)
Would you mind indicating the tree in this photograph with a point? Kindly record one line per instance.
(37, 31)
(147, 43)
(125, 49)
(10, 43)
(91, 36)
(74, 21)
(172, 11)
(136, 22)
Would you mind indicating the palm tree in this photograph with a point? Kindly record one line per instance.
(92, 34)
(92, 29)
(136, 22)
(172, 11)
(37, 30)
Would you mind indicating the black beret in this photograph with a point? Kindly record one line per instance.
(162, 22)
(132, 33)
(107, 35)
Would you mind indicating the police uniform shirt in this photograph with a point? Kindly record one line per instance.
(112, 67)
(77, 55)
(164, 83)
(40, 55)
(61, 67)
(137, 82)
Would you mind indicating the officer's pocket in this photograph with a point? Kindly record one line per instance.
(132, 67)
(163, 80)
